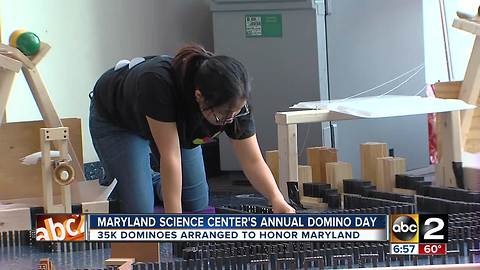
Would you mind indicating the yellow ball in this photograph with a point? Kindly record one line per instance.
(13, 37)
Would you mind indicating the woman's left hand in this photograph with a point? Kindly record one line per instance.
(280, 206)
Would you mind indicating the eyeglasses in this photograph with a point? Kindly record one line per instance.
(243, 112)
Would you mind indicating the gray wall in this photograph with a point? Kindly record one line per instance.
(371, 42)
(89, 36)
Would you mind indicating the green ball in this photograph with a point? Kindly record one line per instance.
(28, 43)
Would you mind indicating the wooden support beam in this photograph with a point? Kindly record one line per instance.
(48, 112)
(470, 90)
(451, 149)
(310, 116)
(271, 158)
(304, 176)
(16, 54)
(369, 152)
(7, 77)
(337, 172)
(287, 156)
(317, 157)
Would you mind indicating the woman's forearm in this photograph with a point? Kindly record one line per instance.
(171, 182)
(262, 179)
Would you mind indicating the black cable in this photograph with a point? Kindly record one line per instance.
(332, 133)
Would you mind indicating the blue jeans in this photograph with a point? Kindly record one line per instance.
(126, 157)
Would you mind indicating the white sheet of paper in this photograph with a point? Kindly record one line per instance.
(387, 106)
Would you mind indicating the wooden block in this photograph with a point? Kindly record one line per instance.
(317, 157)
(404, 191)
(315, 203)
(304, 176)
(95, 207)
(369, 152)
(387, 168)
(118, 261)
(271, 157)
(19, 140)
(15, 219)
(141, 252)
(337, 172)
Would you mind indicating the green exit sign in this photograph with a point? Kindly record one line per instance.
(263, 25)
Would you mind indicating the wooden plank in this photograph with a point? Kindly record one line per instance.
(304, 176)
(317, 157)
(470, 90)
(44, 48)
(451, 150)
(337, 172)
(6, 82)
(447, 89)
(466, 25)
(271, 158)
(10, 64)
(369, 152)
(19, 140)
(141, 252)
(16, 54)
(287, 156)
(15, 219)
(47, 110)
(310, 116)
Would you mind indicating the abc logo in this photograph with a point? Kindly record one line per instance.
(404, 228)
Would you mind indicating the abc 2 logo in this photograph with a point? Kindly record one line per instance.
(415, 228)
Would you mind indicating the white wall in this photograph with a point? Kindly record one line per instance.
(88, 37)
(460, 41)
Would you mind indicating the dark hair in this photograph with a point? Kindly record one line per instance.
(221, 79)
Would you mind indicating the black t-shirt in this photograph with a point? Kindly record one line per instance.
(127, 95)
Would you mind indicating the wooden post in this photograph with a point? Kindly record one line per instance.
(271, 158)
(387, 168)
(337, 172)
(317, 157)
(304, 176)
(48, 135)
(451, 149)
(369, 152)
(287, 156)
(8, 69)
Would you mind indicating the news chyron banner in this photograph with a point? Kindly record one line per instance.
(250, 227)
(60, 227)
(418, 234)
